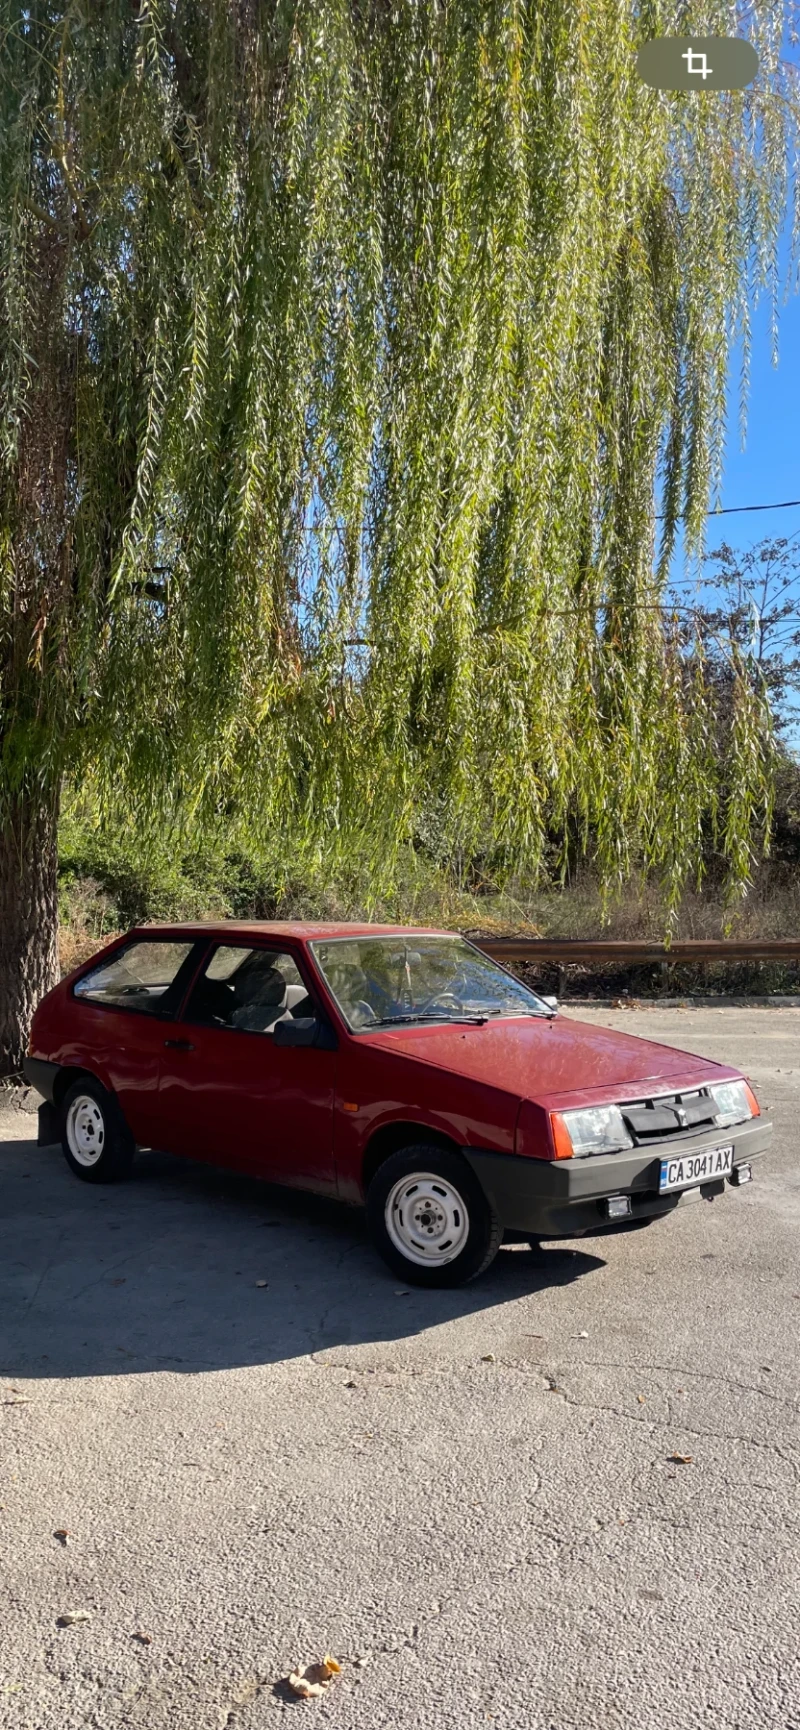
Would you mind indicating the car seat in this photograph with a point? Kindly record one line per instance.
(261, 999)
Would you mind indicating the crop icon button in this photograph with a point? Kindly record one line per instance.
(697, 63)
(702, 69)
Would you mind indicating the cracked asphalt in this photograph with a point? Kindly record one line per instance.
(469, 1498)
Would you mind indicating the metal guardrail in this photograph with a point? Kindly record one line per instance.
(601, 952)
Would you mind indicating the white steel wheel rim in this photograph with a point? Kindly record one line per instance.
(426, 1219)
(86, 1130)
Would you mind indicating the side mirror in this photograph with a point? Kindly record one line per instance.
(306, 1030)
(552, 1002)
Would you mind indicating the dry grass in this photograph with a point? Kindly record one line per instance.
(76, 946)
(770, 910)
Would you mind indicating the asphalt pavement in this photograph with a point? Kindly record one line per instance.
(564, 1497)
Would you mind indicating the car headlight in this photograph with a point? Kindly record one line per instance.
(597, 1129)
(734, 1102)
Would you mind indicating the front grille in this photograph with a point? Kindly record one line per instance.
(672, 1114)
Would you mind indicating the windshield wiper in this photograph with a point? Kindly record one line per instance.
(400, 1020)
(456, 1019)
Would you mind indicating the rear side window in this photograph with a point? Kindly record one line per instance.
(248, 990)
(137, 977)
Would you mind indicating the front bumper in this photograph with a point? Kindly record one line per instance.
(566, 1197)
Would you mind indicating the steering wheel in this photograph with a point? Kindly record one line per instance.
(441, 1000)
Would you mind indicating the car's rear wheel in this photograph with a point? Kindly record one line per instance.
(429, 1217)
(97, 1143)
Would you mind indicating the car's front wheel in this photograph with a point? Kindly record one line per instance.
(429, 1217)
(95, 1138)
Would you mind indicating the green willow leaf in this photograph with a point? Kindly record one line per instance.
(344, 349)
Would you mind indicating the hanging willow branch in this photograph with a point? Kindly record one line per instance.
(328, 323)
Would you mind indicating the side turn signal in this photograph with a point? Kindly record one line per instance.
(751, 1100)
(562, 1141)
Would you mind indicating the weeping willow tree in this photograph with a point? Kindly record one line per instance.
(345, 347)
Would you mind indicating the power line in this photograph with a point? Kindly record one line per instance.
(724, 511)
(733, 510)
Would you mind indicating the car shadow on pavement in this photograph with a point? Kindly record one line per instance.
(189, 1267)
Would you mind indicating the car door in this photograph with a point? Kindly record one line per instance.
(123, 1009)
(227, 1093)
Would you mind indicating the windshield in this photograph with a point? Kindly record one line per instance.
(380, 981)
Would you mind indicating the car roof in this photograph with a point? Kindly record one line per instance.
(298, 929)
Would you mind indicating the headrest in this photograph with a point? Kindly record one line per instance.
(263, 985)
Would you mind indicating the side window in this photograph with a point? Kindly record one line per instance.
(248, 990)
(137, 977)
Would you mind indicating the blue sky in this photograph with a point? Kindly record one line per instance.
(768, 469)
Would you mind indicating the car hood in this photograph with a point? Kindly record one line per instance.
(542, 1059)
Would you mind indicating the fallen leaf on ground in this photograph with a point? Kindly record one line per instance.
(301, 1686)
(583, 1335)
(262, 1283)
(144, 1639)
(641, 1399)
(312, 1681)
(681, 1459)
(402, 1294)
(488, 1358)
(61, 1534)
(350, 1384)
(68, 1617)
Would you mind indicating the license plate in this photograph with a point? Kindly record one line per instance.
(689, 1168)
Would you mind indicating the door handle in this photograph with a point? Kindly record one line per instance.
(179, 1044)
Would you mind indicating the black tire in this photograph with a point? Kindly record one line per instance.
(457, 1209)
(91, 1118)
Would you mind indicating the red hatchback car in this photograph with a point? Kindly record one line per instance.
(394, 1066)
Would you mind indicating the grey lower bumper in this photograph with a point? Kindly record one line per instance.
(566, 1197)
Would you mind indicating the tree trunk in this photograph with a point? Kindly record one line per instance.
(28, 919)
